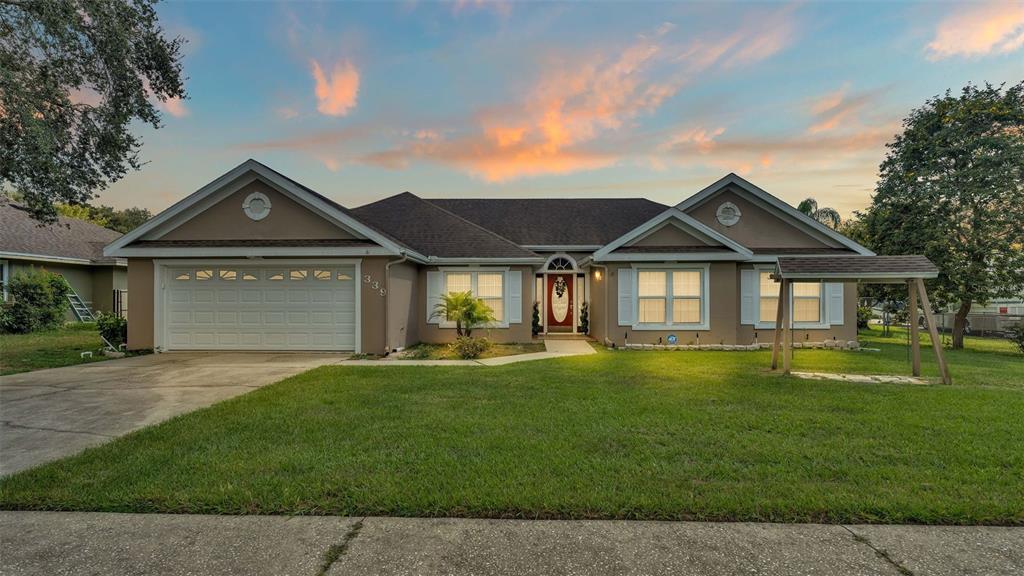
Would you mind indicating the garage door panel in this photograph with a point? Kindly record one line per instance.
(260, 308)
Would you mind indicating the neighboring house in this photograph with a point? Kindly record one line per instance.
(256, 261)
(69, 247)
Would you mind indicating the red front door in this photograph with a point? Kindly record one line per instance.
(560, 300)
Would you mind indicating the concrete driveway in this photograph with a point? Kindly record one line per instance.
(49, 414)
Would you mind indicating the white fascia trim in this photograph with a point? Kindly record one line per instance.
(283, 185)
(777, 203)
(60, 259)
(563, 247)
(705, 301)
(673, 257)
(243, 252)
(693, 225)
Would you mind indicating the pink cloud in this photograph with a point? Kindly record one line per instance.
(174, 106)
(336, 95)
(839, 110)
(979, 29)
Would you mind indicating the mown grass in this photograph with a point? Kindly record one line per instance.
(657, 435)
(50, 348)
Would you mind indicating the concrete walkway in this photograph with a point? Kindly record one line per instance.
(49, 414)
(57, 543)
(553, 349)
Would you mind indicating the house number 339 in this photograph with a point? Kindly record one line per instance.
(367, 279)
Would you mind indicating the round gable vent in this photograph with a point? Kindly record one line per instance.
(256, 206)
(728, 214)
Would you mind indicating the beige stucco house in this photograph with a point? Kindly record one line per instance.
(256, 261)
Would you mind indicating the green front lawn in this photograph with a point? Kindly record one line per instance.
(49, 349)
(623, 434)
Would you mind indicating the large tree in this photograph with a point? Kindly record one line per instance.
(952, 188)
(74, 75)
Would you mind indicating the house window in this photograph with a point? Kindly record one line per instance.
(487, 286)
(652, 293)
(204, 274)
(322, 274)
(183, 275)
(228, 274)
(769, 290)
(297, 274)
(806, 302)
(660, 292)
(248, 276)
(3, 278)
(275, 275)
(343, 277)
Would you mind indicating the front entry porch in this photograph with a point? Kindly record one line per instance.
(561, 296)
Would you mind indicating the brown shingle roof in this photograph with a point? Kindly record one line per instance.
(893, 267)
(434, 231)
(551, 221)
(67, 238)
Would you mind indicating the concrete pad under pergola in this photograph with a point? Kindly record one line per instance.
(910, 270)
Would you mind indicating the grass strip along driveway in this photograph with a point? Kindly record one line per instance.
(50, 348)
(625, 434)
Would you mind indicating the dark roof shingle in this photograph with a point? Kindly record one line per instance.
(910, 266)
(434, 231)
(551, 221)
(67, 238)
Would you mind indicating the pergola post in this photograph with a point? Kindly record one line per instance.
(778, 326)
(915, 337)
(933, 331)
(787, 334)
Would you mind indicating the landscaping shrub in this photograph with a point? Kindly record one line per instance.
(36, 300)
(584, 318)
(113, 328)
(536, 328)
(1017, 336)
(468, 348)
(864, 315)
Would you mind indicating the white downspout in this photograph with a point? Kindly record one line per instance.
(387, 300)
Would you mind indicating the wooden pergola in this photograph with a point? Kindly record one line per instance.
(909, 270)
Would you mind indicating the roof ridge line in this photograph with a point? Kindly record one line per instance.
(474, 224)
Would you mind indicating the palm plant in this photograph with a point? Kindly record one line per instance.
(465, 310)
(827, 216)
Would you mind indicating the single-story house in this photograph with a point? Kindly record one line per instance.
(256, 261)
(69, 247)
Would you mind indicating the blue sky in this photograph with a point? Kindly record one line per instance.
(596, 99)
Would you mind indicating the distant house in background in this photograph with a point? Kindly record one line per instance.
(71, 248)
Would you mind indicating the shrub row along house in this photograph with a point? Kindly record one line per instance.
(257, 261)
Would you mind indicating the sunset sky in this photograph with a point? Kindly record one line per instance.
(364, 100)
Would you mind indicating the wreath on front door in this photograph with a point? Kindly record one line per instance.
(560, 287)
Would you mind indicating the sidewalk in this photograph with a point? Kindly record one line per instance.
(96, 543)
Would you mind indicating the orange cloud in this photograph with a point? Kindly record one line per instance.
(979, 29)
(336, 95)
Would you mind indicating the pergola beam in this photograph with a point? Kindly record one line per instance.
(778, 322)
(915, 337)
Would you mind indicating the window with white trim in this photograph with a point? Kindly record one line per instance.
(807, 302)
(660, 292)
(4, 272)
(485, 285)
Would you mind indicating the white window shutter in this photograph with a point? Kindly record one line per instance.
(515, 297)
(625, 296)
(835, 302)
(435, 284)
(749, 284)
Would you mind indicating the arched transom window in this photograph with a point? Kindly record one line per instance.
(561, 263)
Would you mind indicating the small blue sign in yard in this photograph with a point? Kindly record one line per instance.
(672, 339)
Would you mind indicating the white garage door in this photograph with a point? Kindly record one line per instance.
(260, 308)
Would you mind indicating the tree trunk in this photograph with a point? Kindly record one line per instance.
(959, 323)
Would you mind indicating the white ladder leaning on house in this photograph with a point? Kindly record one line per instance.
(80, 308)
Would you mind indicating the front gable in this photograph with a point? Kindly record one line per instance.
(226, 220)
(766, 223)
(214, 221)
(672, 235)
